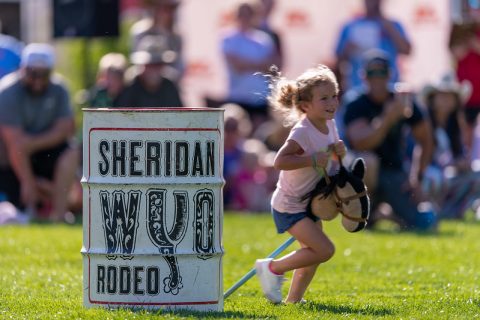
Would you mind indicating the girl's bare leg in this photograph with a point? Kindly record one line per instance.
(300, 281)
(318, 248)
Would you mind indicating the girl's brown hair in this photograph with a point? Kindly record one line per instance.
(286, 95)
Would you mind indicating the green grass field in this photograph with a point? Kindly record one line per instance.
(380, 274)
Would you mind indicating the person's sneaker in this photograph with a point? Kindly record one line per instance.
(271, 283)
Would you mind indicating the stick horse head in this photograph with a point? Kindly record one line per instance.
(343, 193)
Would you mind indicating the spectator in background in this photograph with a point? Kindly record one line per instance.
(250, 190)
(449, 179)
(237, 127)
(161, 21)
(265, 9)
(273, 132)
(465, 47)
(248, 54)
(371, 31)
(10, 51)
(375, 122)
(37, 127)
(149, 88)
(110, 80)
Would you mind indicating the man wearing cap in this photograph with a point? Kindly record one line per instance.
(36, 127)
(150, 89)
(375, 123)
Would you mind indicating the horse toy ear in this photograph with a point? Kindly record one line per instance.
(358, 168)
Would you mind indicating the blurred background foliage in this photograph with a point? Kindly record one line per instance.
(77, 63)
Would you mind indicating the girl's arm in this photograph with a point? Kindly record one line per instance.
(291, 156)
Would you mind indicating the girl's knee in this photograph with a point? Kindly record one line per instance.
(326, 252)
(329, 251)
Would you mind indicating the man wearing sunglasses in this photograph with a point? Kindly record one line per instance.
(38, 162)
(375, 122)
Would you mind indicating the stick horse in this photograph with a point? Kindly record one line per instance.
(343, 193)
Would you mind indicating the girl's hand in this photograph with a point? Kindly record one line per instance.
(340, 149)
(320, 159)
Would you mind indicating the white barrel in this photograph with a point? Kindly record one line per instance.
(153, 208)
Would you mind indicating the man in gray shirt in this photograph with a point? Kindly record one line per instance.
(38, 162)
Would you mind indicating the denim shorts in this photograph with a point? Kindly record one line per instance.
(284, 221)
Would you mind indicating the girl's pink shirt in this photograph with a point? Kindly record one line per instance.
(292, 185)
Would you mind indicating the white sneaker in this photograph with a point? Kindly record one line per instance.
(271, 283)
(303, 301)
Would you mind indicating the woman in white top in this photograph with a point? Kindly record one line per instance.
(310, 102)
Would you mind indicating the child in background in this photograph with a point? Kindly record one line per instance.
(251, 190)
(237, 128)
(110, 80)
(311, 102)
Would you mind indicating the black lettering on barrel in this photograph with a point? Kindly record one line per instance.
(119, 157)
(204, 201)
(181, 158)
(125, 280)
(153, 150)
(153, 281)
(134, 158)
(100, 279)
(111, 279)
(137, 279)
(210, 158)
(168, 158)
(104, 166)
(197, 167)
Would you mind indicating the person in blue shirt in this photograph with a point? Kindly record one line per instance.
(10, 52)
(370, 31)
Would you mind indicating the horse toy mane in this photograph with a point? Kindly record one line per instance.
(343, 193)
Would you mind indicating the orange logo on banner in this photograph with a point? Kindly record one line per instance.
(425, 14)
(198, 68)
(297, 19)
(227, 19)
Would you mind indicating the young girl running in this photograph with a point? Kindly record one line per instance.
(310, 102)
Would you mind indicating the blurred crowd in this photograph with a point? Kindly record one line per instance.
(422, 147)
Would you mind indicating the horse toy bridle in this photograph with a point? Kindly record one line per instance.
(337, 190)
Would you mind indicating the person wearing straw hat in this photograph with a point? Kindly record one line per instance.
(149, 88)
(449, 179)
